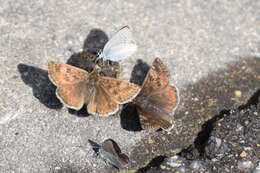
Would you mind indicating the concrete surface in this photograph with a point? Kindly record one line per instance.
(194, 38)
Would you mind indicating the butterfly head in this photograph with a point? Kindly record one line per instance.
(97, 69)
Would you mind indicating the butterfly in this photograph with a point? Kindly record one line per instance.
(157, 98)
(111, 153)
(101, 94)
(120, 46)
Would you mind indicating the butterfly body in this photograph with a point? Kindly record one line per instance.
(101, 94)
(157, 98)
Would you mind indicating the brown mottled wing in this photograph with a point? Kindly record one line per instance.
(165, 100)
(64, 74)
(70, 82)
(72, 95)
(157, 98)
(151, 121)
(121, 91)
(101, 103)
(111, 146)
(157, 78)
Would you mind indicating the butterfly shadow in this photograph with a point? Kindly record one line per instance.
(42, 87)
(129, 117)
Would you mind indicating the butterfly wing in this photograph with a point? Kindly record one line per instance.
(72, 96)
(101, 103)
(63, 74)
(156, 79)
(150, 120)
(166, 99)
(111, 146)
(157, 98)
(124, 159)
(121, 91)
(120, 46)
(116, 157)
(70, 82)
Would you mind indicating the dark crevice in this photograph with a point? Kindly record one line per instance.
(197, 149)
(203, 137)
(253, 101)
(156, 162)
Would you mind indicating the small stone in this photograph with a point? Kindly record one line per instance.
(248, 148)
(174, 162)
(239, 127)
(196, 99)
(246, 122)
(245, 165)
(214, 160)
(238, 93)
(218, 142)
(182, 169)
(243, 154)
(196, 165)
(163, 167)
(150, 141)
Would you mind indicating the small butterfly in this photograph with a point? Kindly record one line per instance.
(120, 46)
(111, 153)
(157, 98)
(101, 94)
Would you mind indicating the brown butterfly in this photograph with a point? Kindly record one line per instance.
(102, 95)
(111, 153)
(157, 98)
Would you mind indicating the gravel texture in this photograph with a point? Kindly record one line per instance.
(232, 145)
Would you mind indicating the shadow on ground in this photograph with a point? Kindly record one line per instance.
(42, 87)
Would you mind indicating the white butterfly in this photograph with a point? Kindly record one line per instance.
(120, 46)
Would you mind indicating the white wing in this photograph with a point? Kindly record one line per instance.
(120, 46)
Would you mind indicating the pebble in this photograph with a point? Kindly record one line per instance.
(218, 142)
(196, 165)
(243, 154)
(174, 162)
(238, 93)
(239, 127)
(245, 165)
